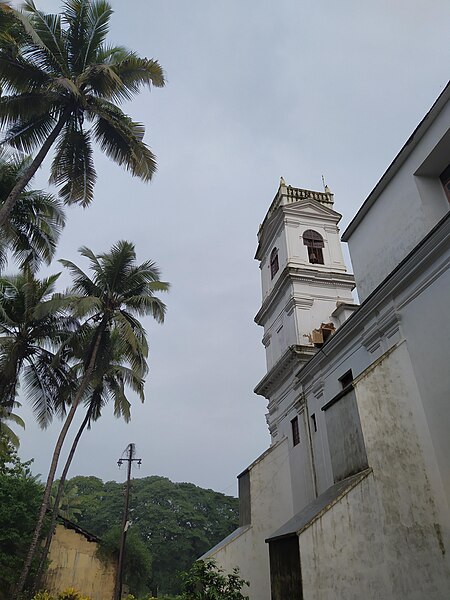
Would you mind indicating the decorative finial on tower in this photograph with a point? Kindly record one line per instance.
(282, 181)
(326, 189)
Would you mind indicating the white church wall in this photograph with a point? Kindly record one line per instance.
(424, 322)
(405, 211)
(269, 480)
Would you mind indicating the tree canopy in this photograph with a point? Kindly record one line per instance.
(178, 522)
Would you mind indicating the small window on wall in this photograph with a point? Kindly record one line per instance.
(295, 431)
(314, 242)
(445, 180)
(274, 266)
(346, 379)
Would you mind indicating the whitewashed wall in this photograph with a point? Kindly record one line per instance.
(271, 501)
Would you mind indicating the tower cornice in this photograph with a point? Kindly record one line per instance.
(291, 274)
(294, 357)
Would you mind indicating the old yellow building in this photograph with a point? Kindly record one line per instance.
(74, 563)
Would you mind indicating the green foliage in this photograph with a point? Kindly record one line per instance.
(68, 504)
(72, 594)
(137, 568)
(20, 498)
(69, 594)
(44, 595)
(178, 522)
(7, 435)
(205, 581)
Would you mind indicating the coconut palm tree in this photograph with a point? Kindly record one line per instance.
(61, 74)
(33, 324)
(109, 381)
(113, 298)
(35, 221)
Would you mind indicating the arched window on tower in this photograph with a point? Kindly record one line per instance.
(314, 242)
(274, 266)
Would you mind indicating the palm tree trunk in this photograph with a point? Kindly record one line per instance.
(54, 463)
(23, 181)
(59, 492)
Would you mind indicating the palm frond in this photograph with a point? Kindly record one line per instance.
(33, 228)
(147, 305)
(119, 80)
(26, 135)
(19, 75)
(75, 17)
(48, 48)
(122, 139)
(82, 283)
(73, 166)
(116, 264)
(98, 16)
(33, 105)
(111, 55)
(135, 72)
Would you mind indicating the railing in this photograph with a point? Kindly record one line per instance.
(295, 194)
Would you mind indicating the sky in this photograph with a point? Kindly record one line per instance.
(256, 89)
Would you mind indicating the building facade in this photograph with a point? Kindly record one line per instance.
(352, 499)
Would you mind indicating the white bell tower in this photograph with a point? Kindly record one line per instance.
(305, 284)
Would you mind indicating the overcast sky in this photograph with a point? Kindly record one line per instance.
(255, 89)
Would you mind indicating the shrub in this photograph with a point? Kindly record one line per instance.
(206, 581)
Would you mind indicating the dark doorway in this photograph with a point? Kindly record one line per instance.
(285, 572)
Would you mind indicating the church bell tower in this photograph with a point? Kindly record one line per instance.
(306, 290)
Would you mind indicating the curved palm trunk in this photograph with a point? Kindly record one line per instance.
(5, 210)
(59, 492)
(54, 463)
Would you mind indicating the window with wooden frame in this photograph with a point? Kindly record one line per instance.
(274, 266)
(314, 242)
(295, 431)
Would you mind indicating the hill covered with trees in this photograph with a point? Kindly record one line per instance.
(177, 522)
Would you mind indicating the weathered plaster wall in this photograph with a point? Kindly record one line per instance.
(335, 560)
(73, 563)
(416, 539)
(271, 501)
(388, 525)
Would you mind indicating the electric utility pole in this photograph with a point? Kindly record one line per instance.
(130, 459)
